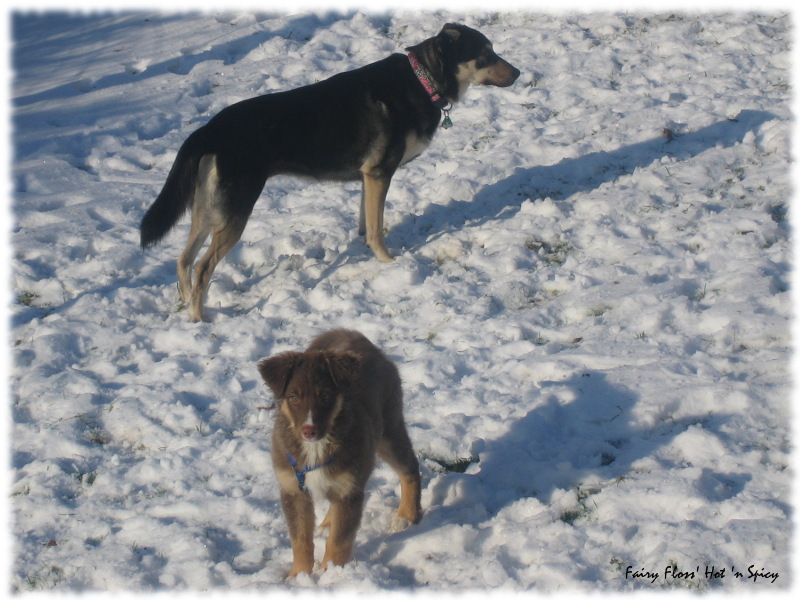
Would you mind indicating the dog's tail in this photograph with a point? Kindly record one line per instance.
(177, 194)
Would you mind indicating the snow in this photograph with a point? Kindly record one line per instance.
(590, 307)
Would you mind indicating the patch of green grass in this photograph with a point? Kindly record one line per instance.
(599, 311)
(27, 298)
(571, 515)
(86, 477)
(45, 577)
(554, 253)
(699, 294)
(457, 465)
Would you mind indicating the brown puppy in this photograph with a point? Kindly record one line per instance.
(340, 404)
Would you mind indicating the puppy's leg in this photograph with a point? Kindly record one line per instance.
(299, 511)
(222, 241)
(345, 516)
(395, 448)
(374, 200)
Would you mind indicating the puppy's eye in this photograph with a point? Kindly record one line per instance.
(293, 400)
(325, 398)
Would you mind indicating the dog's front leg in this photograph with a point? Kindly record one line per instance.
(362, 219)
(345, 516)
(299, 511)
(373, 202)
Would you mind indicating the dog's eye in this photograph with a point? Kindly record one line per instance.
(325, 398)
(292, 399)
(486, 59)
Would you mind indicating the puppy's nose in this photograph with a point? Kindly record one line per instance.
(309, 432)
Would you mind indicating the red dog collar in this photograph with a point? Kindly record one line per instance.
(436, 98)
(422, 75)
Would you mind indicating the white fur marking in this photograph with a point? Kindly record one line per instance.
(398, 523)
(315, 453)
(318, 483)
(414, 147)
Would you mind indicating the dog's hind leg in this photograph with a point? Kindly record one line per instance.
(395, 448)
(222, 241)
(203, 201)
(223, 205)
(373, 202)
(197, 236)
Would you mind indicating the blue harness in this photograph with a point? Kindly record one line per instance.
(301, 473)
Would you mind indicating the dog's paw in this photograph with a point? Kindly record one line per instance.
(381, 252)
(300, 572)
(398, 523)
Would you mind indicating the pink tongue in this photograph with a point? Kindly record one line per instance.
(309, 432)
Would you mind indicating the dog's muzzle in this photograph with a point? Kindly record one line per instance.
(502, 74)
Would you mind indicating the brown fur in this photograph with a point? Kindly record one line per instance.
(340, 405)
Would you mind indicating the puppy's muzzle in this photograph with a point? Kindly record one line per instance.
(309, 433)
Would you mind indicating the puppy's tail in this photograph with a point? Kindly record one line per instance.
(177, 194)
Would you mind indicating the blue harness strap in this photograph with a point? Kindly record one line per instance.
(301, 472)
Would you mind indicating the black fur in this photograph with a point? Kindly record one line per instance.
(360, 124)
(299, 132)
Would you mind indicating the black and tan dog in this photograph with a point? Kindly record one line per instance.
(340, 405)
(362, 124)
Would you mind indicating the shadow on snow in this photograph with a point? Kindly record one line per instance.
(503, 199)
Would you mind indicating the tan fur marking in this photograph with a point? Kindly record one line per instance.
(374, 200)
(414, 147)
(287, 480)
(376, 154)
(409, 495)
(287, 413)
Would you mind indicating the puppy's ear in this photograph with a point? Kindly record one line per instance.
(276, 371)
(342, 367)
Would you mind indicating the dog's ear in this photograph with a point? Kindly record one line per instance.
(276, 371)
(451, 30)
(342, 367)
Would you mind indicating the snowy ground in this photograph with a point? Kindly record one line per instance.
(590, 307)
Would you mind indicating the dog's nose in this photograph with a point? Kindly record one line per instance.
(309, 432)
(504, 74)
(511, 74)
